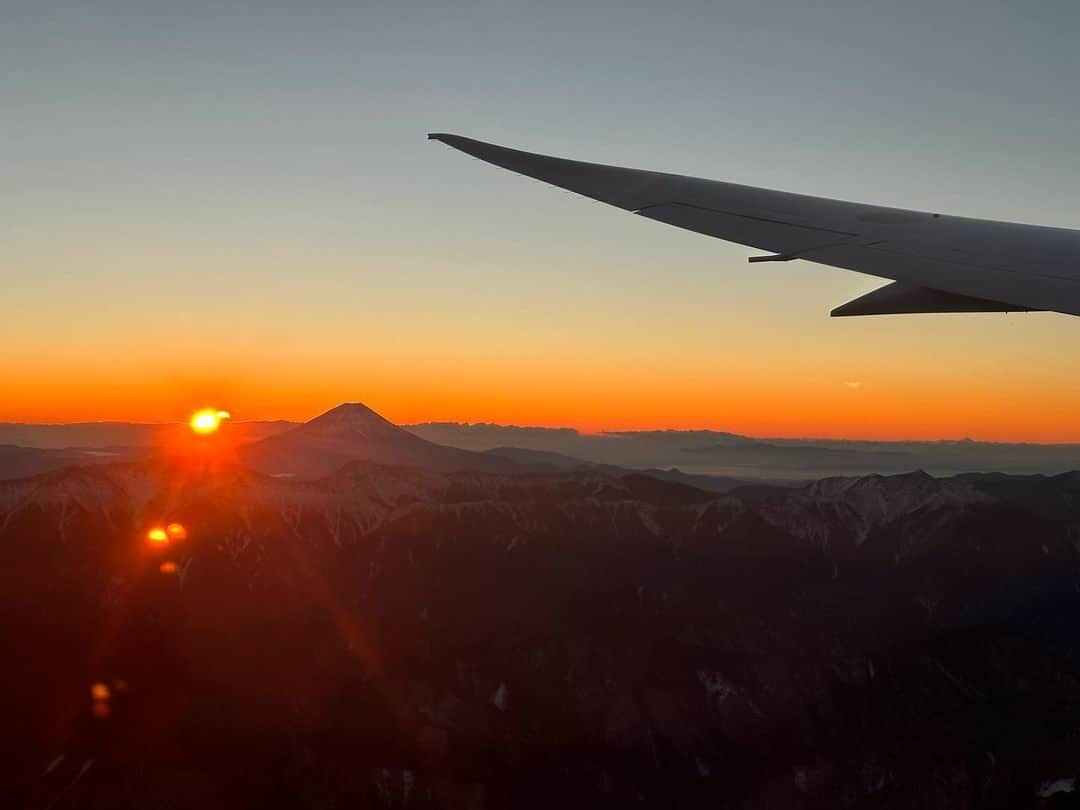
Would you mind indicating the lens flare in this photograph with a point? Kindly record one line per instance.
(207, 420)
(176, 531)
(168, 567)
(158, 536)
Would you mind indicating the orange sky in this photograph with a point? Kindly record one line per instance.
(590, 330)
(595, 334)
(774, 391)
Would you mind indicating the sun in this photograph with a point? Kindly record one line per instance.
(207, 421)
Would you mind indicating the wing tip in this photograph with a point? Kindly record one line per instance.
(448, 138)
(471, 146)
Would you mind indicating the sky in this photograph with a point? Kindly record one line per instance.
(234, 204)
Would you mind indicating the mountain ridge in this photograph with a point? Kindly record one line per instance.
(695, 452)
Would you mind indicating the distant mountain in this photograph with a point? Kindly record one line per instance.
(20, 462)
(708, 483)
(709, 452)
(544, 458)
(727, 456)
(117, 434)
(409, 639)
(354, 432)
(350, 432)
(801, 457)
(648, 449)
(538, 459)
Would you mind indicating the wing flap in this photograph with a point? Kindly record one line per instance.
(899, 298)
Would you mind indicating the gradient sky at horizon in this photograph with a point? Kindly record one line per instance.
(235, 204)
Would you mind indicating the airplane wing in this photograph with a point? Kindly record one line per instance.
(938, 263)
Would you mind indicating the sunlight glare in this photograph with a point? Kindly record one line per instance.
(208, 420)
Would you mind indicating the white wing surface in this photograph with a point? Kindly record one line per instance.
(940, 263)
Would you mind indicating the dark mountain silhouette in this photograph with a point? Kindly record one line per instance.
(541, 460)
(20, 462)
(694, 452)
(350, 432)
(354, 432)
(726, 454)
(404, 638)
(117, 434)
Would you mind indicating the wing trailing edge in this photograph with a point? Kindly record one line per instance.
(899, 298)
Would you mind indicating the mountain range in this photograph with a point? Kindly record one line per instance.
(407, 637)
(692, 452)
(708, 452)
(349, 432)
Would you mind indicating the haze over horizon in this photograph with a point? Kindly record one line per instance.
(600, 430)
(179, 416)
(238, 206)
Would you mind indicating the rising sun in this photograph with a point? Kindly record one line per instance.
(207, 421)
